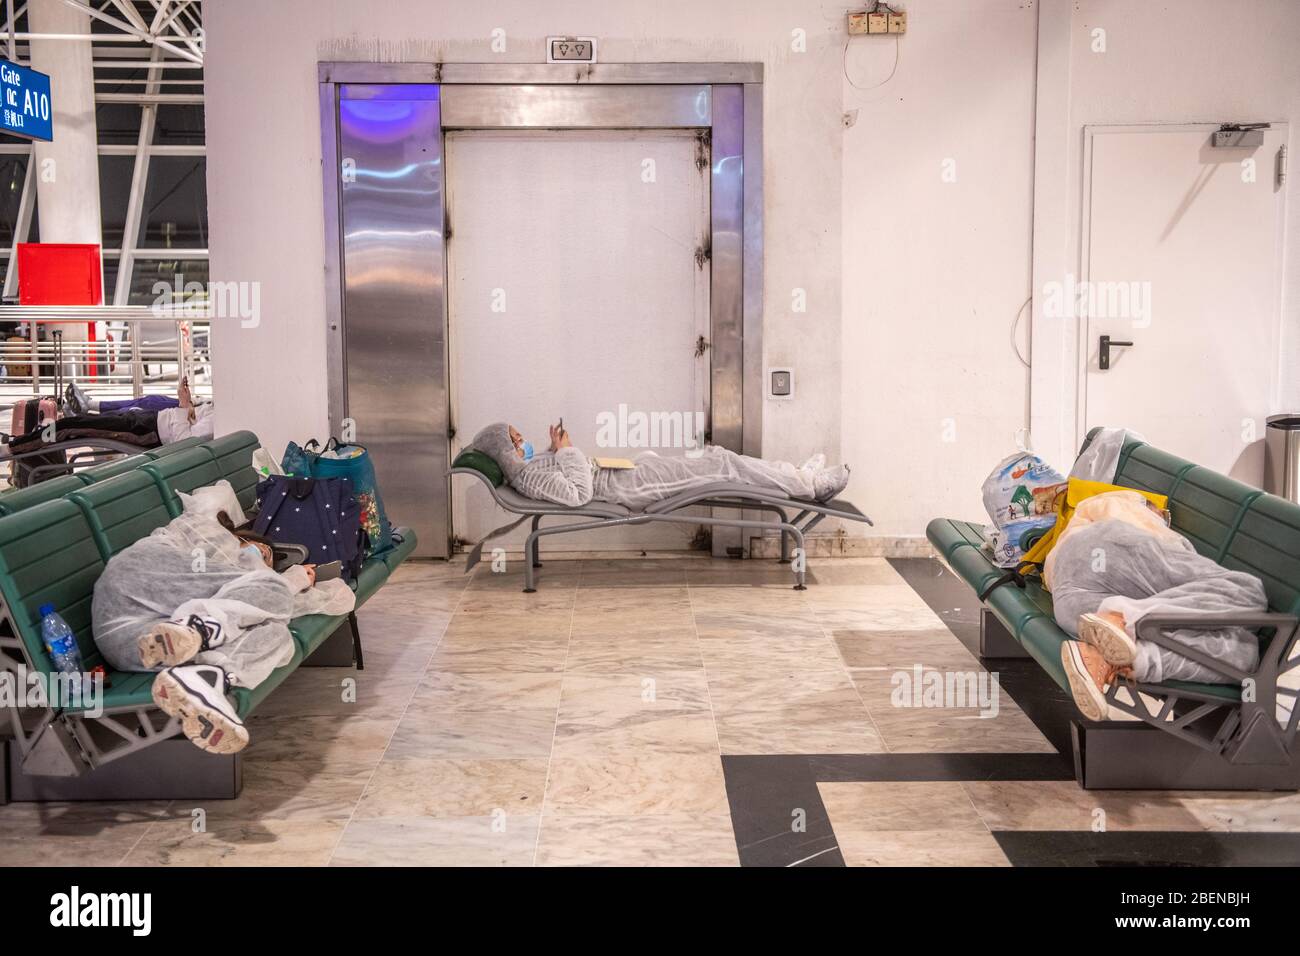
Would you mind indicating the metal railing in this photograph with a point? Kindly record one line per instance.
(136, 350)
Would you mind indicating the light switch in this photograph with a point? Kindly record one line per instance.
(781, 382)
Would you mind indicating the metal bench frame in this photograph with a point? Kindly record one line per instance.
(87, 452)
(717, 495)
(1247, 731)
(60, 744)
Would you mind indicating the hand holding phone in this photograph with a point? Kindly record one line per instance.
(328, 572)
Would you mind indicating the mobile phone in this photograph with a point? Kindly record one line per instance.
(328, 572)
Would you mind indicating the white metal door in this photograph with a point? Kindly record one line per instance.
(576, 292)
(1182, 258)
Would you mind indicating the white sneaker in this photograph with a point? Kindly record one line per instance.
(170, 643)
(1111, 639)
(196, 694)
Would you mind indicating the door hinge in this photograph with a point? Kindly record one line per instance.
(701, 346)
(1281, 165)
(703, 253)
(703, 147)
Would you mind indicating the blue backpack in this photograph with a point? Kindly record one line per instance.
(320, 514)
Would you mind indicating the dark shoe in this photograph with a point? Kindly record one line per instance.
(75, 399)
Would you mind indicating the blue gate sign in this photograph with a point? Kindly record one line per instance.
(25, 108)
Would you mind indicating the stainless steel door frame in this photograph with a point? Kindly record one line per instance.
(392, 352)
(723, 98)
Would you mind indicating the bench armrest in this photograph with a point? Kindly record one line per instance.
(1271, 659)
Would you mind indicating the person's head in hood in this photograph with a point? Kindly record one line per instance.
(506, 446)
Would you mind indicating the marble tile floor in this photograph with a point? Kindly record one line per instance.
(592, 722)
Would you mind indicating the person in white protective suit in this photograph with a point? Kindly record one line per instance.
(564, 475)
(199, 603)
(1116, 563)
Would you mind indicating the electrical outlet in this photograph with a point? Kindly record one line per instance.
(877, 23)
(898, 22)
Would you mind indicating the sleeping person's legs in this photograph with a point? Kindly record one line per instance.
(1111, 575)
(809, 481)
(657, 477)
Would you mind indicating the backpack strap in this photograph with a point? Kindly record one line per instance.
(1011, 577)
(1020, 575)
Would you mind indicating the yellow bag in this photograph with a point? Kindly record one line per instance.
(1076, 491)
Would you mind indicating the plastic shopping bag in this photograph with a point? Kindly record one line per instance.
(1020, 495)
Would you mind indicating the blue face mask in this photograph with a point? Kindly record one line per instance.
(527, 448)
(254, 551)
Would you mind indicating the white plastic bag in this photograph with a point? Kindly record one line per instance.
(265, 465)
(1019, 495)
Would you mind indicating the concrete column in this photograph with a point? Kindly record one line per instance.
(67, 169)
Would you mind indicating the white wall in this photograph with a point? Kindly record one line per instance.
(935, 270)
(914, 281)
(264, 178)
(1165, 63)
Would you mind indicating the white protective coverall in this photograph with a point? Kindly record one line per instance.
(567, 477)
(193, 565)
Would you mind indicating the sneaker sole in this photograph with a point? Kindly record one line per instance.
(168, 645)
(206, 727)
(1114, 643)
(1087, 697)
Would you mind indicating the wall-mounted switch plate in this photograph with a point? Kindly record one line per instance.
(780, 383)
(570, 49)
(857, 24)
(898, 22)
(877, 23)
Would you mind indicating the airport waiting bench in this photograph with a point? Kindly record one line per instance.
(53, 548)
(1183, 735)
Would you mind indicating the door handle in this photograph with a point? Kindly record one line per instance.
(1103, 354)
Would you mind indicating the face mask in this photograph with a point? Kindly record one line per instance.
(254, 550)
(528, 450)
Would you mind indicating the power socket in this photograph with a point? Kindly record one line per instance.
(882, 19)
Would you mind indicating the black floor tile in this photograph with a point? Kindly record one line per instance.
(1148, 848)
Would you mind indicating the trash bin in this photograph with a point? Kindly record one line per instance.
(1282, 456)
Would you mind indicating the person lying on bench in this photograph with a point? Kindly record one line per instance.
(172, 419)
(1117, 562)
(146, 422)
(564, 475)
(198, 602)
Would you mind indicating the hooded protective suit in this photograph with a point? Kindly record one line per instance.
(195, 566)
(566, 477)
(1115, 565)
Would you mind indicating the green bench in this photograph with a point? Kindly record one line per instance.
(1200, 735)
(53, 550)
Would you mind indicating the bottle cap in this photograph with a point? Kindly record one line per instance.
(46, 609)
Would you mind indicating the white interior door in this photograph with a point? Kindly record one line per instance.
(574, 289)
(1182, 258)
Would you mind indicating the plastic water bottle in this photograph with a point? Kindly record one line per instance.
(60, 642)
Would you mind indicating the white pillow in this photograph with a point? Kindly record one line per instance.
(211, 499)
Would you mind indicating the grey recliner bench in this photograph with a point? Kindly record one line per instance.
(601, 514)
